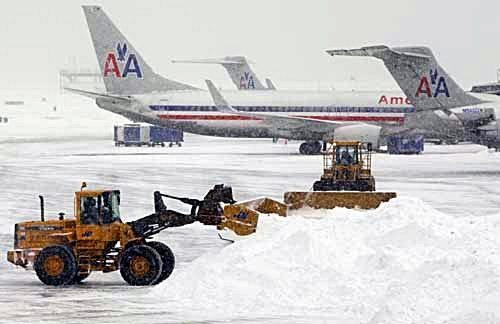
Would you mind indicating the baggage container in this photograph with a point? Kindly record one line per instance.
(139, 135)
(405, 144)
(161, 135)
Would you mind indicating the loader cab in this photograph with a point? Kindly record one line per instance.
(97, 207)
(347, 155)
(347, 160)
(346, 166)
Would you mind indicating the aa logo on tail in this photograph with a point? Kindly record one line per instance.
(128, 63)
(436, 87)
(246, 81)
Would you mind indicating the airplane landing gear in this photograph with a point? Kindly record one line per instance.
(311, 148)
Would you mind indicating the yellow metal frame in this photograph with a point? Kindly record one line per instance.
(334, 171)
(89, 242)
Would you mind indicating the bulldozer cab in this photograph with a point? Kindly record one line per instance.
(97, 207)
(347, 160)
(98, 220)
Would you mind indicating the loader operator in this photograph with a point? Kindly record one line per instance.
(345, 158)
(109, 210)
(90, 213)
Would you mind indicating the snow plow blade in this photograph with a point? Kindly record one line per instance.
(332, 199)
(242, 218)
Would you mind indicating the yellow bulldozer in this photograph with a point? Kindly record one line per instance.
(347, 180)
(65, 251)
(346, 166)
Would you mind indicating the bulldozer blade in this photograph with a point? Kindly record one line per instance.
(240, 219)
(332, 199)
(266, 206)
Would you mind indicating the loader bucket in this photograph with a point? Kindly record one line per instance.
(266, 206)
(332, 199)
(240, 219)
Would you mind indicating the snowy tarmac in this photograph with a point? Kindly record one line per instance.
(431, 255)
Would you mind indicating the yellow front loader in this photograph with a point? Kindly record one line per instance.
(65, 251)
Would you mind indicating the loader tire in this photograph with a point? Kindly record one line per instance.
(140, 265)
(167, 257)
(79, 278)
(56, 265)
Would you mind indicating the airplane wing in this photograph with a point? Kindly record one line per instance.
(97, 95)
(270, 84)
(290, 121)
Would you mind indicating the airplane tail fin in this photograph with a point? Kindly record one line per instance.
(238, 69)
(123, 69)
(419, 75)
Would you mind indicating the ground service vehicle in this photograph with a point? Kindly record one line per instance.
(346, 181)
(346, 166)
(65, 251)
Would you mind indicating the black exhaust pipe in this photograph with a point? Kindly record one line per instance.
(42, 209)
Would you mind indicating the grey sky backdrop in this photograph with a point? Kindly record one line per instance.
(286, 39)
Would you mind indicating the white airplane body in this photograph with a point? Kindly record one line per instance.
(197, 106)
(301, 115)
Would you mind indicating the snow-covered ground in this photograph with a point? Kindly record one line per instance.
(429, 256)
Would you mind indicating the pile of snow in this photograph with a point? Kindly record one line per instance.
(403, 262)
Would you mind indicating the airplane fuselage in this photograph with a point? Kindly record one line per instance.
(195, 112)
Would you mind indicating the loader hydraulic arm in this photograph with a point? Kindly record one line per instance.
(160, 205)
(207, 211)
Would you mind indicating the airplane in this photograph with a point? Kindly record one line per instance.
(239, 70)
(441, 127)
(428, 86)
(136, 92)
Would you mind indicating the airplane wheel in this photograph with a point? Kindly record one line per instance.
(316, 147)
(56, 265)
(303, 148)
(140, 265)
(167, 257)
(310, 148)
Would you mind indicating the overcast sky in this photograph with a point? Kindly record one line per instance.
(286, 39)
